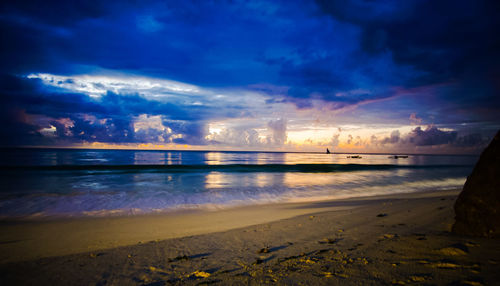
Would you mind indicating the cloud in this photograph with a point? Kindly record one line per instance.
(471, 140)
(459, 47)
(393, 139)
(278, 132)
(349, 139)
(313, 56)
(195, 63)
(415, 120)
(431, 136)
(334, 142)
(149, 24)
(107, 118)
(238, 137)
(188, 132)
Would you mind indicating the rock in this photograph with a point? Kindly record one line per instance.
(477, 209)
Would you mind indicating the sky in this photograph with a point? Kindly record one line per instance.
(361, 76)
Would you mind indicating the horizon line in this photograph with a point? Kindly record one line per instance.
(238, 151)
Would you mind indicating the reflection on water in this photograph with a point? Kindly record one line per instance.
(213, 158)
(215, 180)
(143, 158)
(31, 157)
(76, 192)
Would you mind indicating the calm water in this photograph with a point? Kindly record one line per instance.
(47, 182)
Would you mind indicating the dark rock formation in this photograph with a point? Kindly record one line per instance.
(477, 208)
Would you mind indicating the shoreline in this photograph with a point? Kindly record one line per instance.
(392, 239)
(22, 240)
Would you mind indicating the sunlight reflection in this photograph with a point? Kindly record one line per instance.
(141, 158)
(215, 180)
(213, 158)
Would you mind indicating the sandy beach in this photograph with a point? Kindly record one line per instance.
(395, 239)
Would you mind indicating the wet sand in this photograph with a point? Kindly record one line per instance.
(398, 239)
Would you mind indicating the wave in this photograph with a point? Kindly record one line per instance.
(243, 168)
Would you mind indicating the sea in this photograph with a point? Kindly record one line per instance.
(53, 183)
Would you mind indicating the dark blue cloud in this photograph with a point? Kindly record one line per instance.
(108, 118)
(35, 98)
(348, 46)
(344, 53)
(431, 136)
(447, 41)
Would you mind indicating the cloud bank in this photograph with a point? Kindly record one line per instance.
(228, 73)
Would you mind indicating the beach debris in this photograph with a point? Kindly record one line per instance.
(389, 236)
(471, 244)
(342, 275)
(363, 260)
(263, 259)
(311, 217)
(180, 257)
(144, 278)
(329, 240)
(308, 260)
(264, 250)
(327, 274)
(200, 274)
(452, 251)
(472, 283)
(94, 255)
(153, 269)
(242, 264)
(382, 215)
(444, 265)
(417, 279)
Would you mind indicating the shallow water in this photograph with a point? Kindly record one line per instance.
(49, 182)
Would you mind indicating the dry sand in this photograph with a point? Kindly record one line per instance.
(398, 239)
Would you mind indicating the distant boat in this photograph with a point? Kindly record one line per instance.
(355, 157)
(327, 151)
(398, 156)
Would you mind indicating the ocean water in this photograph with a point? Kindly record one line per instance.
(38, 183)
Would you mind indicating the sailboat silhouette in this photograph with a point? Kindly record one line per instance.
(327, 151)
